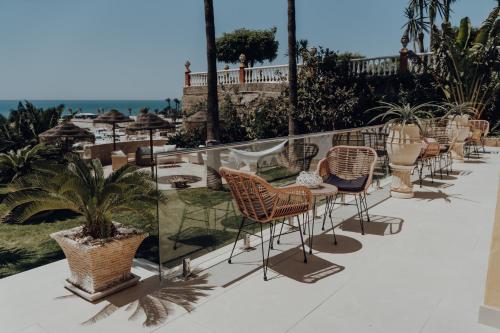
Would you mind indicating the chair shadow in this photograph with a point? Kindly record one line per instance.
(445, 177)
(436, 184)
(474, 161)
(379, 225)
(291, 264)
(460, 172)
(324, 243)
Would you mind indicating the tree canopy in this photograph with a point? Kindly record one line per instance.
(256, 45)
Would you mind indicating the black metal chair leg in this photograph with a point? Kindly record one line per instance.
(302, 240)
(263, 257)
(360, 216)
(281, 230)
(238, 236)
(328, 199)
(363, 195)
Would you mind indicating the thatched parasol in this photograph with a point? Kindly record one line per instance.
(67, 131)
(112, 117)
(149, 122)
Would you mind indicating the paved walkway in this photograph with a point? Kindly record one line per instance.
(420, 268)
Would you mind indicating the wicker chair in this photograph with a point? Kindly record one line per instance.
(429, 156)
(350, 168)
(295, 160)
(483, 126)
(262, 203)
(443, 160)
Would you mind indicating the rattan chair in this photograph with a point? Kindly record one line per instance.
(350, 168)
(429, 157)
(260, 202)
(483, 126)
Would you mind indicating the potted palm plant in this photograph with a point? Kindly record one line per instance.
(405, 124)
(99, 252)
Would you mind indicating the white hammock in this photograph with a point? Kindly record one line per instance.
(252, 157)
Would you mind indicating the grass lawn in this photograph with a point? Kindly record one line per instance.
(193, 221)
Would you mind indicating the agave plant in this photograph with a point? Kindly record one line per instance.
(455, 109)
(404, 114)
(81, 187)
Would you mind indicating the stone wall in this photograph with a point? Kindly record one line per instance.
(103, 151)
(240, 93)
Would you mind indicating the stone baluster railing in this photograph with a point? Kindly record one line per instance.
(377, 66)
(266, 74)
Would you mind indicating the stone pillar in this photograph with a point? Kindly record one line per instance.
(489, 312)
(243, 61)
(401, 186)
(457, 151)
(403, 55)
(187, 74)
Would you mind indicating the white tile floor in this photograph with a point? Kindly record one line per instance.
(429, 277)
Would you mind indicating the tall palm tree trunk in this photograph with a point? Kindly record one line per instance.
(421, 32)
(446, 19)
(214, 180)
(292, 68)
(212, 99)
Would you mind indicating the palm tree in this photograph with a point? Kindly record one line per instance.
(420, 5)
(447, 11)
(168, 103)
(414, 26)
(292, 67)
(82, 188)
(214, 180)
(434, 8)
(15, 164)
(212, 99)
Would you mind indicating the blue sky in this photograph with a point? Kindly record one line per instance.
(135, 49)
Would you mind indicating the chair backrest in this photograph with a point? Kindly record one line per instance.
(299, 157)
(351, 138)
(438, 133)
(251, 193)
(351, 162)
(482, 125)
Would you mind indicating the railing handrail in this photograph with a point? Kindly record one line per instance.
(268, 140)
(270, 66)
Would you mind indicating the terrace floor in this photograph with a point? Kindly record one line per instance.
(420, 268)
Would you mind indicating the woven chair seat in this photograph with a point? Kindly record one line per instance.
(347, 185)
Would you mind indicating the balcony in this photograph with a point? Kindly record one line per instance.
(420, 266)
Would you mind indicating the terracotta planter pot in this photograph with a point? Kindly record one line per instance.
(403, 144)
(98, 269)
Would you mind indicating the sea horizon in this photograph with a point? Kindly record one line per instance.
(88, 105)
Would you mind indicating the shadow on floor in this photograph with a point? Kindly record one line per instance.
(436, 183)
(324, 243)
(460, 172)
(474, 161)
(380, 225)
(294, 267)
(154, 299)
(12, 255)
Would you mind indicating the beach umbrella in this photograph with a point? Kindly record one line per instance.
(66, 132)
(112, 117)
(149, 122)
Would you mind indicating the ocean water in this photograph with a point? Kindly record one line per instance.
(90, 106)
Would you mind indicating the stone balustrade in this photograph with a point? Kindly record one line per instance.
(376, 66)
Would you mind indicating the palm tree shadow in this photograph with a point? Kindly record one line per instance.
(154, 299)
(431, 195)
(12, 255)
